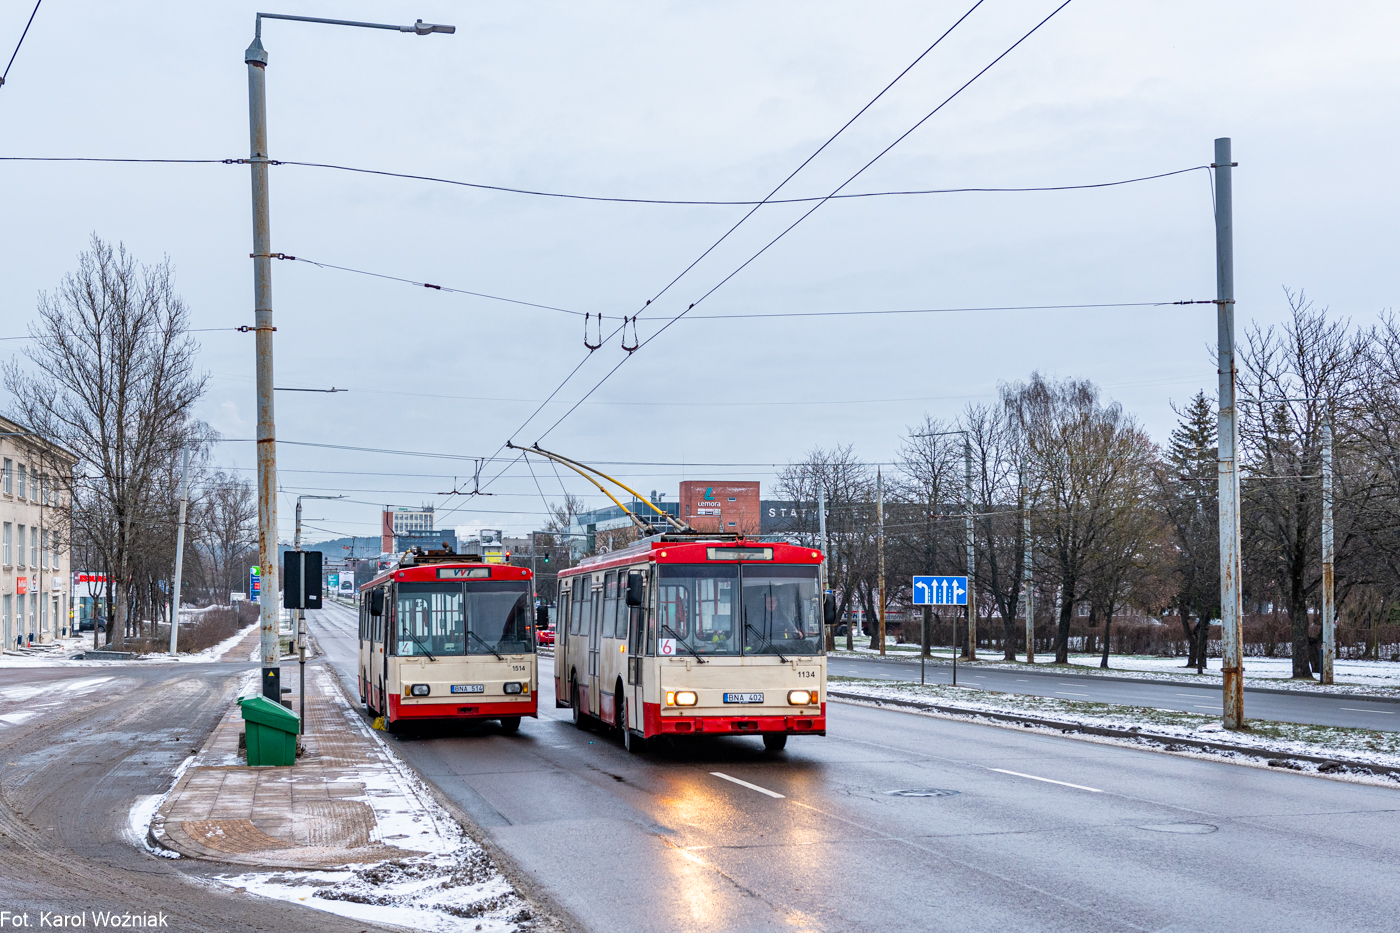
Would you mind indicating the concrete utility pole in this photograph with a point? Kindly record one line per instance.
(256, 59)
(1231, 606)
(179, 554)
(1329, 606)
(971, 554)
(1030, 591)
(880, 545)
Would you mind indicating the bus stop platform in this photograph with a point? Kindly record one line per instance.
(348, 800)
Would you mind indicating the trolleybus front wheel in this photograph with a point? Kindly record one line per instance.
(510, 724)
(573, 703)
(775, 741)
(634, 744)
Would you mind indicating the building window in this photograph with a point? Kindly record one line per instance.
(34, 485)
(44, 553)
(19, 551)
(9, 477)
(7, 542)
(23, 478)
(5, 610)
(34, 548)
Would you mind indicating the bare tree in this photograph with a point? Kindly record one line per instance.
(111, 377)
(227, 531)
(1291, 377)
(928, 489)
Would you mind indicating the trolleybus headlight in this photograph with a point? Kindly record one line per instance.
(514, 687)
(420, 690)
(799, 697)
(685, 698)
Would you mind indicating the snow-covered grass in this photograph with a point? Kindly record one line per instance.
(1378, 678)
(1362, 746)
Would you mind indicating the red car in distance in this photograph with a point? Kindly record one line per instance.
(544, 636)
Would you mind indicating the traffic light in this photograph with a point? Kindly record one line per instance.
(546, 557)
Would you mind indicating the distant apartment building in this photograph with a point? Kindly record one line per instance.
(35, 573)
(413, 523)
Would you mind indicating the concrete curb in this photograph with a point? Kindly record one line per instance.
(1072, 672)
(1140, 737)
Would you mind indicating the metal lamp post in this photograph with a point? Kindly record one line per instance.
(256, 59)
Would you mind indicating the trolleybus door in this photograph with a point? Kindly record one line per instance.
(636, 632)
(594, 638)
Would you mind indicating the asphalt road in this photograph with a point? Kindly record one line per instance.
(903, 822)
(1316, 709)
(79, 747)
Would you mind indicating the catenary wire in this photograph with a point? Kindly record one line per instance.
(752, 210)
(20, 42)
(810, 211)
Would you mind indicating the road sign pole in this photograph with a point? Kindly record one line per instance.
(179, 555)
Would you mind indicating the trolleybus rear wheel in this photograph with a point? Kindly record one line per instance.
(775, 741)
(510, 724)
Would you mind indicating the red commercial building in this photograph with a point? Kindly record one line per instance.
(730, 508)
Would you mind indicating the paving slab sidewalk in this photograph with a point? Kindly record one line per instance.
(346, 801)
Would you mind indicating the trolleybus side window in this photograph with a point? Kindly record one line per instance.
(580, 594)
(697, 608)
(651, 615)
(610, 602)
(781, 610)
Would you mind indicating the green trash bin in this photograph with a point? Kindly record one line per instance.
(271, 730)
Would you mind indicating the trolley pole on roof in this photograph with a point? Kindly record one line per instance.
(256, 60)
(1231, 604)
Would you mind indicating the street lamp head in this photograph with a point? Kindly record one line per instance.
(421, 28)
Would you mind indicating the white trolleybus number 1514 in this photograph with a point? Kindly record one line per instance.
(682, 635)
(446, 637)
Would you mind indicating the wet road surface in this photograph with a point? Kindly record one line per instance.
(903, 822)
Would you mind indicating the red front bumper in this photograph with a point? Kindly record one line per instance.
(655, 724)
(462, 710)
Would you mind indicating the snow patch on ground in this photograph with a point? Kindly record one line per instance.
(451, 891)
(144, 810)
(452, 885)
(1373, 678)
(1348, 746)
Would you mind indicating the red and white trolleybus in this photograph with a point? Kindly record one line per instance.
(448, 637)
(692, 634)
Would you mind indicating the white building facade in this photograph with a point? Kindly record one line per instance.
(35, 518)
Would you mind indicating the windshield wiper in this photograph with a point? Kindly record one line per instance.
(768, 641)
(421, 645)
(499, 656)
(667, 628)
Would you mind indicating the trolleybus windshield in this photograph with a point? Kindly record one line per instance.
(463, 618)
(732, 609)
(782, 614)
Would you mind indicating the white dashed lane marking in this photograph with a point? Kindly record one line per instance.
(761, 790)
(1092, 790)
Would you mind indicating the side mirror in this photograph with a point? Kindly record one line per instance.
(376, 602)
(636, 590)
(829, 609)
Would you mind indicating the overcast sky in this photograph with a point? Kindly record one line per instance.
(695, 101)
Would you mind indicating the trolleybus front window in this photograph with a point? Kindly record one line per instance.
(782, 614)
(498, 616)
(697, 610)
(430, 620)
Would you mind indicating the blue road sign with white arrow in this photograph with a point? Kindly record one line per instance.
(940, 591)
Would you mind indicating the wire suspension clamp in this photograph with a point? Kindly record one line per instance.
(255, 327)
(592, 346)
(636, 342)
(271, 256)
